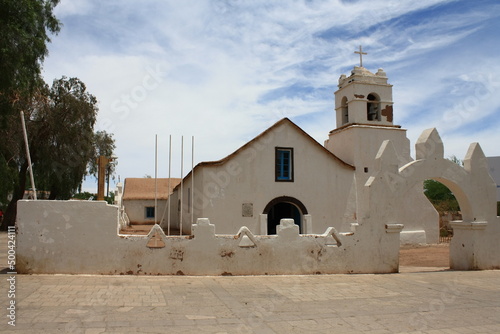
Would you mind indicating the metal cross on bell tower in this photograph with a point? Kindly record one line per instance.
(361, 53)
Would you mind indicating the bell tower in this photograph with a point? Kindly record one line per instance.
(364, 116)
(364, 119)
(364, 98)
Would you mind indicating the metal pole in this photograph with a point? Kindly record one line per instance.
(107, 180)
(192, 180)
(28, 156)
(156, 175)
(182, 167)
(102, 162)
(169, 169)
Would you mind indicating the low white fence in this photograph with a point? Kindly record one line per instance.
(81, 238)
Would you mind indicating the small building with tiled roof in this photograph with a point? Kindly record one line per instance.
(139, 196)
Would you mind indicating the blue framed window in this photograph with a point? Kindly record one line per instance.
(150, 212)
(284, 164)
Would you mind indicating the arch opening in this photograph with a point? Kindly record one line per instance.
(284, 207)
(345, 111)
(373, 107)
(457, 184)
(446, 204)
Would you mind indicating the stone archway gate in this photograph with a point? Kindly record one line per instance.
(475, 243)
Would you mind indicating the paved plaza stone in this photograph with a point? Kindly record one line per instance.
(417, 300)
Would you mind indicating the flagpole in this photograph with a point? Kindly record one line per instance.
(192, 180)
(156, 175)
(169, 185)
(182, 167)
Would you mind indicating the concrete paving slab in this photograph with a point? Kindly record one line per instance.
(416, 300)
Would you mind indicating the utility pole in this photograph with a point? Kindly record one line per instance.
(28, 156)
(102, 163)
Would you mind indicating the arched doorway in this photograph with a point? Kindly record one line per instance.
(281, 208)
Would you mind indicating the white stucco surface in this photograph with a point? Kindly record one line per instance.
(321, 183)
(136, 210)
(475, 241)
(494, 168)
(358, 145)
(81, 237)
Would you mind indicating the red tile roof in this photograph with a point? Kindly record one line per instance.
(144, 188)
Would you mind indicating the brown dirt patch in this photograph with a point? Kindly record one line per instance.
(425, 256)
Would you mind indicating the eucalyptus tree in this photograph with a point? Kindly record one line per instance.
(25, 29)
(60, 120)
(25, 26)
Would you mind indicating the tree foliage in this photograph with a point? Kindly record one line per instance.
(93, 197)
(60, 122)
(59, 119)
(103, 144)
(439, 195)
(63, 135)
(25, 26)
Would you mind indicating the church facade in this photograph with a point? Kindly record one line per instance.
(285, 173)
(282, 173)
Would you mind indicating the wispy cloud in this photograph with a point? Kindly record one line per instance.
(225, 70)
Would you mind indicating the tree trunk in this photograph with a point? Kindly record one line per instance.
(9, 218)
(53, 193)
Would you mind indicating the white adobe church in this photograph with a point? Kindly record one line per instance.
(353, 200)
(285, 173)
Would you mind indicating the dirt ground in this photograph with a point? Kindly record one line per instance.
(425, 256)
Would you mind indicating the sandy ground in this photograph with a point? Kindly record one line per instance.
(425, 256)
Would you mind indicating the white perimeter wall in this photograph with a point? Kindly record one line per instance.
(80, 237)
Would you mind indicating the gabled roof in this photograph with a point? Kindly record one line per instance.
(270, 129)
(144, 188)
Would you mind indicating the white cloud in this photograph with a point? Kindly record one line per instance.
(74, 7)
(218, 59)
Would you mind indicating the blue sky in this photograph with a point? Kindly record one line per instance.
(224, 71)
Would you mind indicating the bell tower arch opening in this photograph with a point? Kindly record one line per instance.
(373, 107)
(344, 110)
